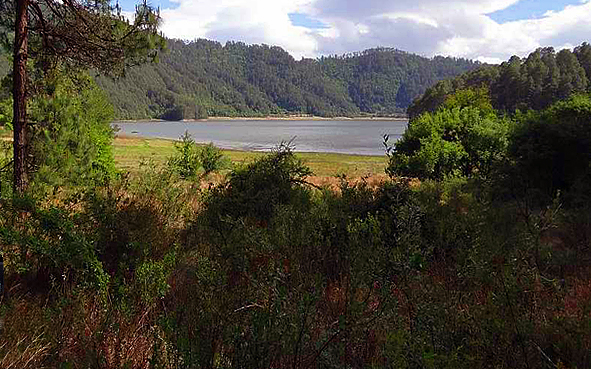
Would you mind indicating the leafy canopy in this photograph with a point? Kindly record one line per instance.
(85, 34)
(535, 82)
(464, 137)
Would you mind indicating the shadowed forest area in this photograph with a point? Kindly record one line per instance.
(474, 252)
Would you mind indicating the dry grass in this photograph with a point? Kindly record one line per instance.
(23, 344)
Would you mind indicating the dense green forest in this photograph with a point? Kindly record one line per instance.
(534, 82)
(205, 78)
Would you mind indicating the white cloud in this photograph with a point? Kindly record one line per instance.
(255, 21)
(429, 27)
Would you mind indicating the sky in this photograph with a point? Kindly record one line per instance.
(486, 30)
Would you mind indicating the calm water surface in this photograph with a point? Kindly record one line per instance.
(347, 137)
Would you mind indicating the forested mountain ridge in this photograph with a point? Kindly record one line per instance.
(534, 82)
(205, 78)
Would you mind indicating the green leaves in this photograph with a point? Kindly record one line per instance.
(552, 149)
(185, 162)
(458, 139)
(535, 82)
(51, 240)
(72, 141)
(6, 114)
(211, 158)
(190, 158)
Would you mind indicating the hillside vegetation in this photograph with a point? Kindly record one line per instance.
(205, 78)
(535, 82)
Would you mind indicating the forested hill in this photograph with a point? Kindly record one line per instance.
(205, 78)
(535, 82)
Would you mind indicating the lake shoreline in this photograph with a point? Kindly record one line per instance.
(268, 118)
(129, 152)
(137, 137)
(363, 138)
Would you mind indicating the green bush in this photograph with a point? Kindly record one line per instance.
(151, 279)
(48, 246)
(551, 150)
(210, 158)
(458, 139)
(135, 220)
(190, 159)
(185, 162)
(254, 190)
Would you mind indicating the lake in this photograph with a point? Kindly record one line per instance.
(361, 137)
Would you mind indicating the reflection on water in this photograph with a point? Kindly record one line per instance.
(347, 137)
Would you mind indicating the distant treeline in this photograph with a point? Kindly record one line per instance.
(205, 78)
(535, 82)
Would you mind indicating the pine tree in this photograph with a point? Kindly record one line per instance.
(77, 33)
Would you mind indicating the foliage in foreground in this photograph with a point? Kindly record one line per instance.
(552, 149)
(72, 140)
(264, 271)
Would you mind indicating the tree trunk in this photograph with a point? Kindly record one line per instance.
(19, 94)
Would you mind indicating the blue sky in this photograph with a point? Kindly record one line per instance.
(487, 30)
(304, 20)
(530, 9)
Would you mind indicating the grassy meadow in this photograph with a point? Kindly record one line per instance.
(131, 151)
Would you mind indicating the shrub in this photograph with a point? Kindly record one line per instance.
(551, 150)
(190, 158)
(136, 220)
(455, 140)
(185, 162)
(151, 279)
(254, 190)
(47, 245)
(210, 158)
